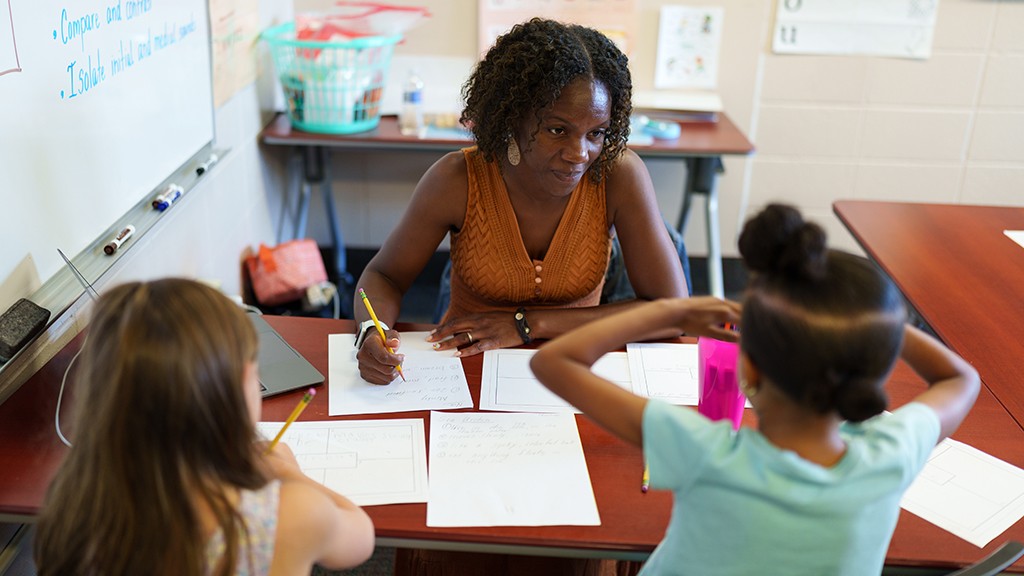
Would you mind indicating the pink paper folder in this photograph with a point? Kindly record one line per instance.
(720, 395)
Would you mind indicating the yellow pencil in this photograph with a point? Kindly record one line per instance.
(380, 330)
(645, 483)
(306, 399)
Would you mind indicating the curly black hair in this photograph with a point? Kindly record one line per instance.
(525, 72)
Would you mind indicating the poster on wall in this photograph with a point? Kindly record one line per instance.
(896, 28)
(234, 32)
(688, 44)
(616, 19)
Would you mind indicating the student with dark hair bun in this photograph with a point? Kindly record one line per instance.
(815, 489)
(846, 317)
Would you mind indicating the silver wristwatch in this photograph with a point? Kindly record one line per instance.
(364, 328)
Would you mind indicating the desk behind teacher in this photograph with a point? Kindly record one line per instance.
(700, 147)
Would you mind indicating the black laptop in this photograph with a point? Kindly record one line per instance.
(282, 369)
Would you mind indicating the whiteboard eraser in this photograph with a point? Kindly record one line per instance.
(19, 324)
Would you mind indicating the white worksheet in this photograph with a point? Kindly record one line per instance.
(493, 469)
(972, 494)
(1015, 235)
(369, 461)
(666, 371)
(433, 380)
(508, 383)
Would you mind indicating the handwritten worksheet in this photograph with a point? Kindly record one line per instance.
(965, 491)
(508, 383)
(491, 469)
(433, 380)
(369, 461)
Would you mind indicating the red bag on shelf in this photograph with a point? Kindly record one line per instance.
(282, 274)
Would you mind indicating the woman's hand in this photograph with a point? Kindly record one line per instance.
(476, 333)
(376, 364)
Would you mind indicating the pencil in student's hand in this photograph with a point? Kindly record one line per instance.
(380, 330)
(645, 483)
(306, 399)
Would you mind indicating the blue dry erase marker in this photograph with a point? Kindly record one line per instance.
(164, 201)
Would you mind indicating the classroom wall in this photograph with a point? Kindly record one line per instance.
(949, 129)
(946, 129)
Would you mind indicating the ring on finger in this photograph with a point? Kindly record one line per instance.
(469, 335)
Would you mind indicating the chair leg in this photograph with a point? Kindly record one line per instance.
(995, 562)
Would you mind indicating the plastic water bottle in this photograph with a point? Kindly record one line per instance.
(410, 121)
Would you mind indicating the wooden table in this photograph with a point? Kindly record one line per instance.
(700, 146)
(962, 275)
(632, 522)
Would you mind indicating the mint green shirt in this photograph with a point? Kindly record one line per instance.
(743, 506)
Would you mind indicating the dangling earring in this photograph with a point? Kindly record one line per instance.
(747, 390)
(513, 151)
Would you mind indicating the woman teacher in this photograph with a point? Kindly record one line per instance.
(532, 207)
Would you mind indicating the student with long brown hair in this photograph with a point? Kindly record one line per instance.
(167, 474)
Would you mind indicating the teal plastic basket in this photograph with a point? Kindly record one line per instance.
(331, 87)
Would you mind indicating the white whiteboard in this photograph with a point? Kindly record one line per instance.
(100, 101)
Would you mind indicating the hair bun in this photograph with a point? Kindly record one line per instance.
(779, 241)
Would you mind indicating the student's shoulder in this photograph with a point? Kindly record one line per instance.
(299, 499)
(304, 515)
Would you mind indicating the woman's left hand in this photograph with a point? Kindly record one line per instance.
(477, 332)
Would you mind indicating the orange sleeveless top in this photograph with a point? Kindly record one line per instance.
(491, 269)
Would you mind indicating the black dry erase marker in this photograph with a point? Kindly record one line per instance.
(120, 239)
(206, 165)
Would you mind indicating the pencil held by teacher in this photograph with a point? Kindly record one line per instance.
(380, 330)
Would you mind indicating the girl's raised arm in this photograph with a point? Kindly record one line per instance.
(563, 364)
(953, 384)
